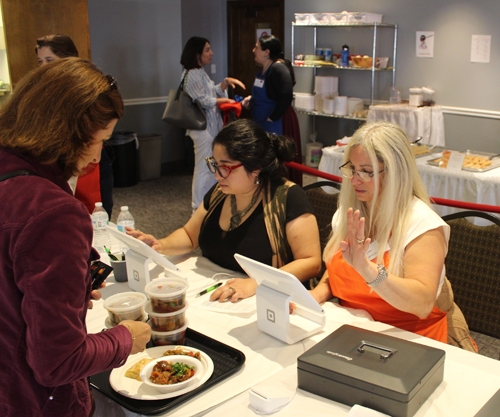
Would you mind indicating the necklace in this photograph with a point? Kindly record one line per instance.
(236, 215)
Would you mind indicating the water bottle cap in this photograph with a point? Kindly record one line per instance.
(98, 204)
(124, 208)
(345, 47)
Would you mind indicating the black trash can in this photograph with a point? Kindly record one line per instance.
(125, 147)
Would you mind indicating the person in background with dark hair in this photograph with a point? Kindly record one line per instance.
(52, 47)
(97, 185)
(52, 127)
(252, 210)
(196, 54)
(272, 92)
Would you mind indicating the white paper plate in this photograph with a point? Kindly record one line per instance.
(138, 390)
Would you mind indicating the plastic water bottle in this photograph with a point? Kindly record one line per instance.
(125, 219)
(99, 221)
(344, 56)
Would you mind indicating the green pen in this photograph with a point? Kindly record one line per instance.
(112, 257)
(213, 287)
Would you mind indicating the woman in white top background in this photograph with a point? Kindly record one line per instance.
(195, 55)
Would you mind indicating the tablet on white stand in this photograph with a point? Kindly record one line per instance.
(138, 258)
(275, 291)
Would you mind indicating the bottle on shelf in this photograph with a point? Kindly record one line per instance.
(100, 220)
(125, 219)
(344, 56)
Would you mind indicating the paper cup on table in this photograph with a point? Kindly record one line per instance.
(341, 106)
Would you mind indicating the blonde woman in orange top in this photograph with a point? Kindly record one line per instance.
(387, 249)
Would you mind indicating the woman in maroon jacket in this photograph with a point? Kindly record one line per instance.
(52, 127)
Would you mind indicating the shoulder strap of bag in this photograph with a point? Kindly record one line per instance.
(16, 174)
(181, 86)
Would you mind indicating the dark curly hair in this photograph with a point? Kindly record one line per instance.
(245, 141)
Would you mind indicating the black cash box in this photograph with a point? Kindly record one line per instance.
(381, 372)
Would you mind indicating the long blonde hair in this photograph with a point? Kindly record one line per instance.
(388, 215)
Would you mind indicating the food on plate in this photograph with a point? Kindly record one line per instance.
(179, 351)
(168, 373)
(135, 371)
(419, 150)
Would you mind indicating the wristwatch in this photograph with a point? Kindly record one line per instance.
(382, 274)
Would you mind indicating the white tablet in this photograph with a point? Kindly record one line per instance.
(142, 248)
(279, 280)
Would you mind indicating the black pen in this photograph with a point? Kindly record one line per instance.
(213, 287)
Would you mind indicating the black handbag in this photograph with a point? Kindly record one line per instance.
(184, 112)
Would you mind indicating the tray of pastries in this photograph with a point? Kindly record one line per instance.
(421, 149)
(474, 161)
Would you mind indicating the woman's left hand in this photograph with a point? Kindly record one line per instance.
(234, 289)
(229, 81)
(354, 248)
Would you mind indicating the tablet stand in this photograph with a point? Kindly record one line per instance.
(137, 270)
(273, 316)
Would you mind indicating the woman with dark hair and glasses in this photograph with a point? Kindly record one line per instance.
(387, 249)
(196, 54)
(52, 127)
(272, 91)
(252, 210)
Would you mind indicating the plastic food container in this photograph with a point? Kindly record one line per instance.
(166, 322)
(175, 337)
(304, 101)
(167, 294)
(125, 306)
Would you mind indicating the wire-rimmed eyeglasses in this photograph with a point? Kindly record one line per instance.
(362, 175)
(223, 170)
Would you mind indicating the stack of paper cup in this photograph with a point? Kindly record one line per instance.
(329, 105)
(354, 105)
(324, 88)
(341, 106)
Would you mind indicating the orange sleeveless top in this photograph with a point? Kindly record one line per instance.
(351, 289)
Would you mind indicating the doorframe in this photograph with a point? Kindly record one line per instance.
(235, 4)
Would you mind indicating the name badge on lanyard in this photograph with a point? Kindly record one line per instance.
(258, 83)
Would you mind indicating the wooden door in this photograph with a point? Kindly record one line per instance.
(25, 21)
(244, 18)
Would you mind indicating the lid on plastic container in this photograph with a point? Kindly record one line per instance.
(125, 301)
(172, 332)
(149, 311)
(164, 288)
(415, 90)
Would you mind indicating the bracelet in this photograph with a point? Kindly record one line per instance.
(382, 274)
(130, 330)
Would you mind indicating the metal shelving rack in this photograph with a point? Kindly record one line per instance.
(373, 70)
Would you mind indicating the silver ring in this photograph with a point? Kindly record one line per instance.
(360, 241)
(233, 290)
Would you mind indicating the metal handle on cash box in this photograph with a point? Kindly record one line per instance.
(388, 351)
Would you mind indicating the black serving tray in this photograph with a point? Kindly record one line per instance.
(227, 360)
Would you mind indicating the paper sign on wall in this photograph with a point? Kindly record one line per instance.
(480, 48)
(263, 32)
(425, 45)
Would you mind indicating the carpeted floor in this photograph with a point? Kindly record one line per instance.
(162, 205)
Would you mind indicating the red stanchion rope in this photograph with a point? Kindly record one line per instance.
(434, 200)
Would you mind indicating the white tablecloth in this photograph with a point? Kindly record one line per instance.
(470, 379)
(481, 188)
(426, 122)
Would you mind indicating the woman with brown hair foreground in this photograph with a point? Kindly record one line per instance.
(53, 127)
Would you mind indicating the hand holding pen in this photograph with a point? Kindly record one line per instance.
(209, 289)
